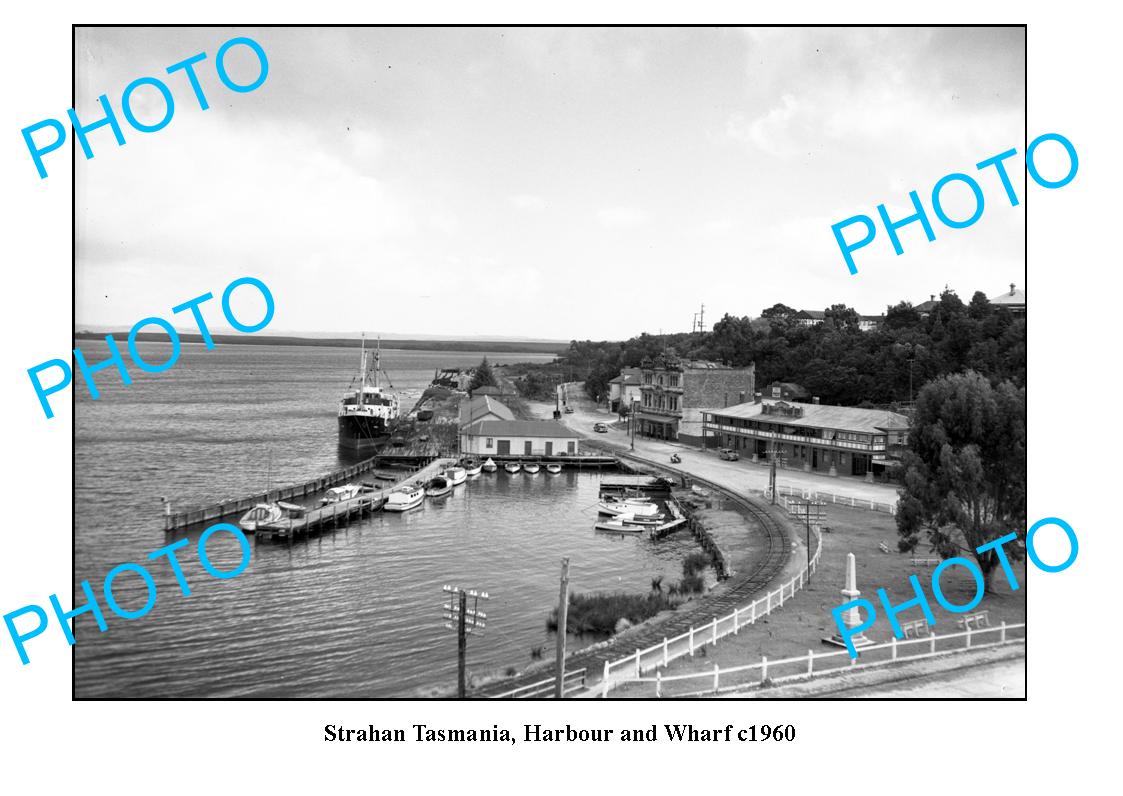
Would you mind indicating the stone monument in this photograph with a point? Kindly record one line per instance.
(851, 618)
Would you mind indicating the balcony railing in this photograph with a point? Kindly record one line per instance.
(796, 438)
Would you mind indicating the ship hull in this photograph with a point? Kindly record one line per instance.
(357, 432)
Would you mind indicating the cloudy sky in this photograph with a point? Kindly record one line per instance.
(544, 183)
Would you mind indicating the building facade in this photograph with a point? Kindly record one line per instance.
(1013, 300)
(520, 438)
(834, 440)
(624, 389)
(674, 394)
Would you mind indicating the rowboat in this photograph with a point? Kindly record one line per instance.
(512, 467)
(438, 486)
(456, 475)
(618, 526)
(490, 466)
(553, 468)
(405, 498)
(532, 467)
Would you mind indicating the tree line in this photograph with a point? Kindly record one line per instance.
(835, 360)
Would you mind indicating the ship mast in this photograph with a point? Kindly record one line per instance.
(363, 369)
(378, 364)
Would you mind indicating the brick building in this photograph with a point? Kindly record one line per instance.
(674, 393)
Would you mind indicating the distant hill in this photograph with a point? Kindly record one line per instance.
(483, 346)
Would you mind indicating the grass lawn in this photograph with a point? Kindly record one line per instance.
(804, 621)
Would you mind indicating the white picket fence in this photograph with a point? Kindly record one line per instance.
(841, 500)
(642, 660)
(803, 667)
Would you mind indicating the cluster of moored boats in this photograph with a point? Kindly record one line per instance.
(636, 514)
(279, 514)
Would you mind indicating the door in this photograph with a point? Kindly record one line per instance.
(550, 448)
(814, 458)
(526, 447)
(504, 447)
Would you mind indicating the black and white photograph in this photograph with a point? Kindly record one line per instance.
(539, 362)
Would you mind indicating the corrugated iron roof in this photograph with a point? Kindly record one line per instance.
(840, 418)
(524, 428)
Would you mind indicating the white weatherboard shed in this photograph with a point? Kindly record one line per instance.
(520, 438)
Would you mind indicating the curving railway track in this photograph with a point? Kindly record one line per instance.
(739, 590)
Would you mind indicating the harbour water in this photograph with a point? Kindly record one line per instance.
(354, 613)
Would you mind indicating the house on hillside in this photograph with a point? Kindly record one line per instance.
(1014, 300)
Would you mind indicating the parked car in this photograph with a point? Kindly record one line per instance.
(569, 410)
(600, 428)
(728, 454)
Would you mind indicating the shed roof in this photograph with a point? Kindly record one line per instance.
(480, 407)
(840, 418)
(524, 428)
(1013, 296)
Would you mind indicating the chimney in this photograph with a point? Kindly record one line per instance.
(1011, 288)
(815, 400)
(756, 397)
(932, 296)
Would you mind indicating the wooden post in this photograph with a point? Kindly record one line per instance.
(1002, 634)
(604, 682)
(658, 685)
(716, 675)
(968, 626)
(763, 668)
(563, 610)
(713, 636)
(810, 660)
(933, 640)
(692, 641)
(666, 659)
(893, 641)
(752, 618)
(461, 645)
(736, 618)
(638, 672)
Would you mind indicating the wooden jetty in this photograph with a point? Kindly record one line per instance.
(331, 515)
(178, 521)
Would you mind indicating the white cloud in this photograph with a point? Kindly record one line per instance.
(528, 202)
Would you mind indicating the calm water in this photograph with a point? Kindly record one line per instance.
(356, 613)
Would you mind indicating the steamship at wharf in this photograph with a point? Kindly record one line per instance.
(366, 414)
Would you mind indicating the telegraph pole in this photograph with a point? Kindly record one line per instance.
(563, 611)
(468, 620)
(772, 471)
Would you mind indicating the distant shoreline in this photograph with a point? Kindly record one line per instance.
(479, 346)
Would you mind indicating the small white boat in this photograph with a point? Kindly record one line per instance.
(405, 498)
(617, 507)
(490, 466)
(617, 526)
(439, 486)
(532, 467)
(554, 468)
(646, 520)
(512, 467)
(340, 493)
(267, 513)
(472, 467)
(456, 475)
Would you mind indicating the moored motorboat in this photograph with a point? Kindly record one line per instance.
(512, 467)
(472, 467)
(645, 520)
(532, 467)
(617, 507)
(456, 475)
(339, 494)
(404, 498)
(266, 513)
(553, 468)
(490, 466)
(438, 486)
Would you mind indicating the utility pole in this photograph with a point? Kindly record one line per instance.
(772, 471)
(563, 611)
(632, 423)
(467, 621)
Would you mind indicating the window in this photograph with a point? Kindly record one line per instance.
(775, 392)
(490, 442)
(674, 379)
